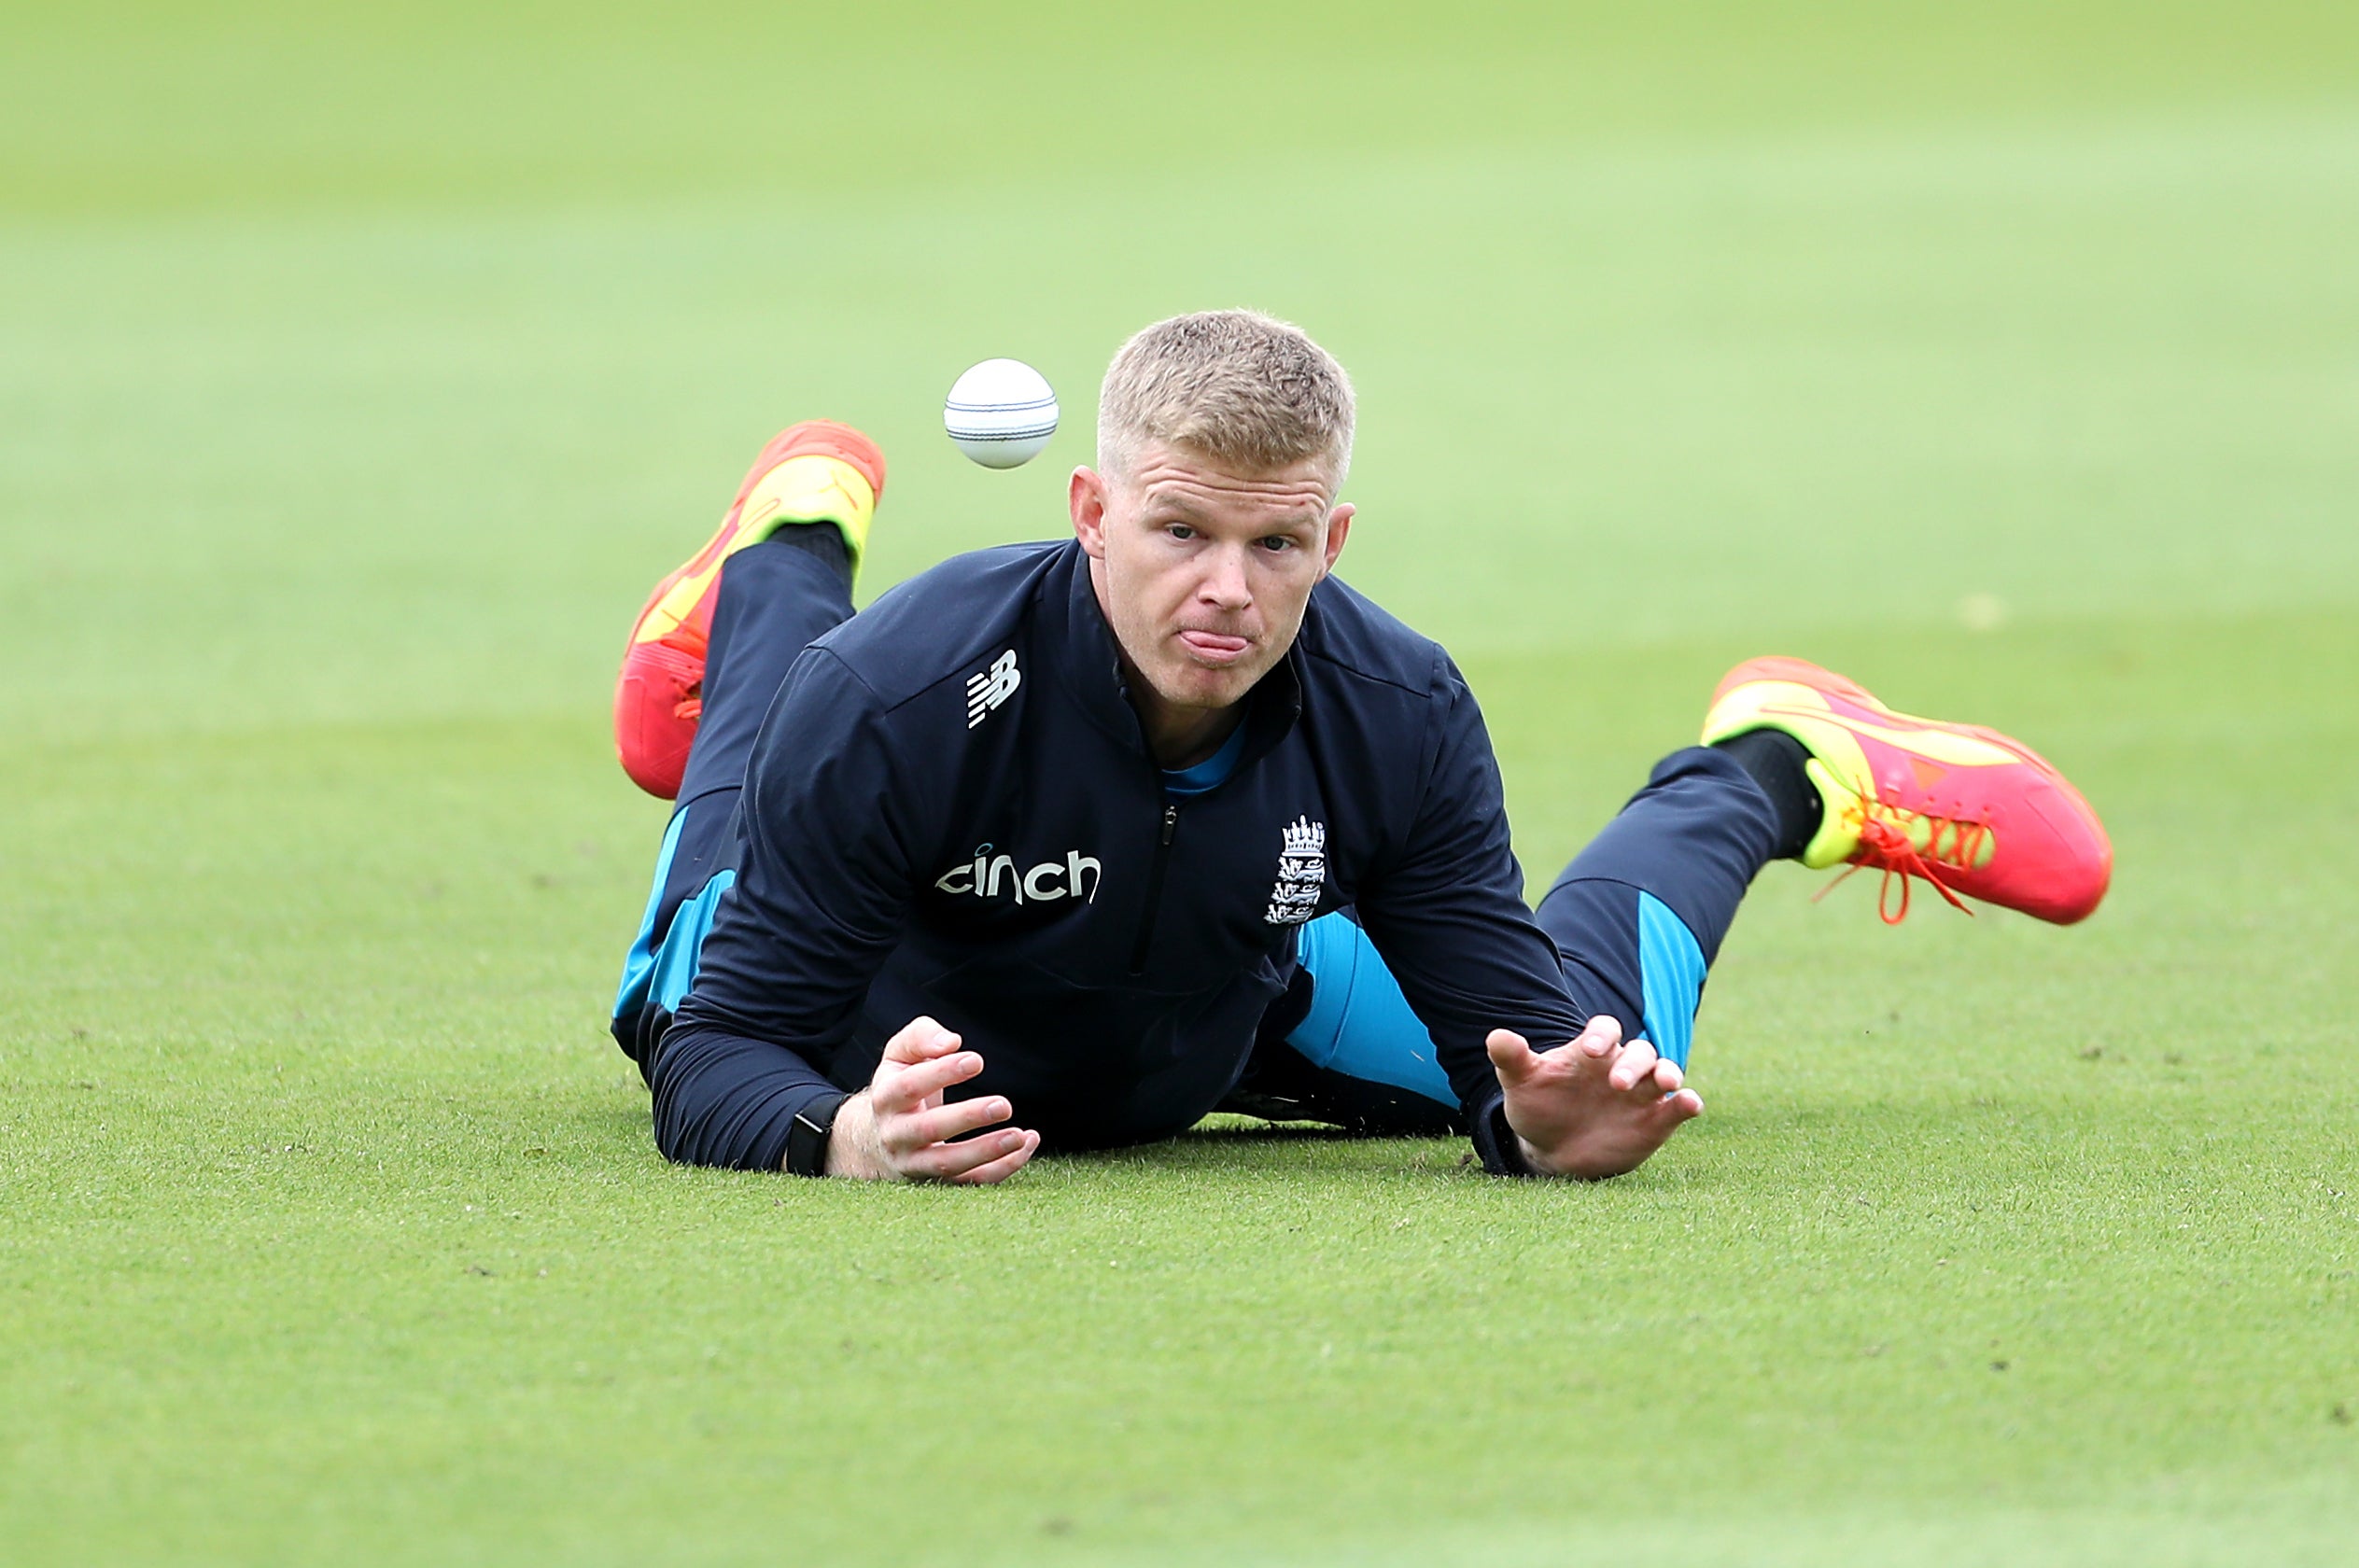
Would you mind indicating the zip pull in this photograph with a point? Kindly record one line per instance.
(1171, 823)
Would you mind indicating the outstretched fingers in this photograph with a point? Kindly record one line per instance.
(1515, 1061)
(1022, 1148)
(940, 1124)
(1636, 1063)
(1511, 1055)
(1683, 1105)
(1638, 1066)
(917, 1088)
(968, 1160)
(921, 1040)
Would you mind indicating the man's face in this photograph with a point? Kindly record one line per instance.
(1204, 574)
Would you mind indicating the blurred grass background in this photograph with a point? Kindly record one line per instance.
(358, 370)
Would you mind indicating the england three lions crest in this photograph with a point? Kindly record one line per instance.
(1301, 874)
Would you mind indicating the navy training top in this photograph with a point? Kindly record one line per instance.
(951, 810)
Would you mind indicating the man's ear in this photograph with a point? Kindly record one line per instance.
(1339, 528)
(1086, 499)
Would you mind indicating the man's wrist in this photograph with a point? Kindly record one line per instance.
(1503, 1149)
(851, 1141)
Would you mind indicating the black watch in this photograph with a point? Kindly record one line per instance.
(806, 1139)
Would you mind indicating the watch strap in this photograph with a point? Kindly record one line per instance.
(806, 1138)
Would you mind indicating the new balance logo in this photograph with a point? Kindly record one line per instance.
(1301, 874)
(987, 688)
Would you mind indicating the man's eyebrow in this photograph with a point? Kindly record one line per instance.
(1304, 517)
(1173, 501)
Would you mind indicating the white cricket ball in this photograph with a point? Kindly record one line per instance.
(1001, 412)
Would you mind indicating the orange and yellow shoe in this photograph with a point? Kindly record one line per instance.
(1970, 810)
(817, 471)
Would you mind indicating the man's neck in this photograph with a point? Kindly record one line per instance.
(1179, 737)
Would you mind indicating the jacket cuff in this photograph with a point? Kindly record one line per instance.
(1495, 1142)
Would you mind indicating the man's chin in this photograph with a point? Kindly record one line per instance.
(1192, 685)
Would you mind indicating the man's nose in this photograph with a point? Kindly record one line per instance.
(1224, 581)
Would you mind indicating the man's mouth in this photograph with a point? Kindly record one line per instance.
(1213, 648)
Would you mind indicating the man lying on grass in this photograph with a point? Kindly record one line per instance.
(1064, 845)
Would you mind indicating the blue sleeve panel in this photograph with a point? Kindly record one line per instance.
(638, 964)
(1360, 1025)
(1670, 977)
(693, 869)
(664, 977)
(662, 962)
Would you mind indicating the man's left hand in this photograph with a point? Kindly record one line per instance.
(1592, 1106)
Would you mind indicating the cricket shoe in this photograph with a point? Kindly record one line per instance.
(817, 471)
(1970, 810)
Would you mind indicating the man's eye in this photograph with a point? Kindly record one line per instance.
(1179, 530)
(1278, 543)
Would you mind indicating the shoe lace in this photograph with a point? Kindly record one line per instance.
(1887, 845)
(691, 707)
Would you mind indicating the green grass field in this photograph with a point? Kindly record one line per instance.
(358, 374)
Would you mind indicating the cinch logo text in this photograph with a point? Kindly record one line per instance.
(1076, 875)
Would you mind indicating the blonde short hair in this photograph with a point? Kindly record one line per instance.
(1249, 392)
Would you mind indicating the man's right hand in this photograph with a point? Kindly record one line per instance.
(898, 1128)
(1593, 1107)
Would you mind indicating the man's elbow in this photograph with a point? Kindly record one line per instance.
(673, 1102)
(725, 1102)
